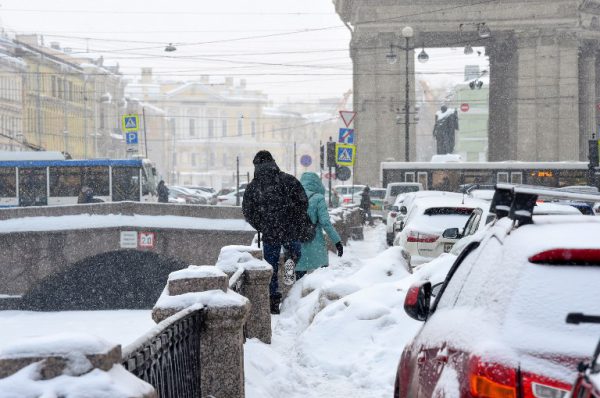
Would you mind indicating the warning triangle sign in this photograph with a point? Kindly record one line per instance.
(345, 155)
(347, 117)
(130, 123)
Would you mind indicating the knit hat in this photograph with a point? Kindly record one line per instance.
(263, 157)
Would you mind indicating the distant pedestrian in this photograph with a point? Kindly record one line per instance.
(365, 204)
(163, 192)
(275, 205)
(314, 253)
(86, 195)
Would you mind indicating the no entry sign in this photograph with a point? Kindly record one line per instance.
(464, 107)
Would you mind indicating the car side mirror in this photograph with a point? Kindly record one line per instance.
(394, 208)
(451, 233)
(403, 210)
(417, 301)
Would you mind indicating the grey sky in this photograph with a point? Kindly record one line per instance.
(134, 33)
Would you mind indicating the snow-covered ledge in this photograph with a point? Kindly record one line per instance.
(246, 262)
(67, 365)
(221, 338)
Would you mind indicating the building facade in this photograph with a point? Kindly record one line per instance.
(12, 75)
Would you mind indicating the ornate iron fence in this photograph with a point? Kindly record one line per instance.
(169, 359)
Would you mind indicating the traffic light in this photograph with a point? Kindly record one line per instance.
(331, 154)
(322, 156)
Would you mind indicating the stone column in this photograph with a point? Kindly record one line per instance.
(222, 332)
(568, 123)
(502, 114)
(256, 289)
(222, 349)
(587, 95)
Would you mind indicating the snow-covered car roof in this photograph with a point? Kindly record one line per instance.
(423, 194)
(555, 209)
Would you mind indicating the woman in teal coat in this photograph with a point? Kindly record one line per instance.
(314, 253)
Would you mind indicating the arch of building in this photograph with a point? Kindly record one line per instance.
(544, 71)
(122, 279)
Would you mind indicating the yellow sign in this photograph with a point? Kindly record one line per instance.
(345, 154)
(130, 122)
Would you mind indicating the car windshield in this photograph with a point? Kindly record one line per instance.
(440, 218)
(398, 189)
(377, 194)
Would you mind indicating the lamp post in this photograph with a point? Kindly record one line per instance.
(391, 57)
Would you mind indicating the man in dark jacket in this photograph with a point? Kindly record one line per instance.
(365, 204)
(163, 192)
(275, 204)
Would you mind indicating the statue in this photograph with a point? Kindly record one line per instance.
(446, 124)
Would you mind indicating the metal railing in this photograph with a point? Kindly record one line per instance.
(236, 281)
(169, 357)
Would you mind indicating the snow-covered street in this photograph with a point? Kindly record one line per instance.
(341, 330)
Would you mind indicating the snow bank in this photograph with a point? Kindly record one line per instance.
(232, 257)
(57, 344)
(115, 383)
(212, 298)
(196, 271)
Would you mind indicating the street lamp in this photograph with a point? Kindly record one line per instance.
(391, 57)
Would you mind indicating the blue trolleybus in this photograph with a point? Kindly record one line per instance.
(46, 178)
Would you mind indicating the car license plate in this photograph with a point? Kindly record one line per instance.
(448, 247)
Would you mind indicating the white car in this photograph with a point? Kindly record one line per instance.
(431, 227)
(349, 193)
(398, 211)
(230, 199)
(394, 189)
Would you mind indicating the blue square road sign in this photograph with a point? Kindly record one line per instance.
(131, 137)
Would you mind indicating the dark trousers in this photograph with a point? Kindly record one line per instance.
(271, 253)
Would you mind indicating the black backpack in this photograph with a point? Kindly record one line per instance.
(307, 230)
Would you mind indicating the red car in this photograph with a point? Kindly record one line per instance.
(587, 384)
(496, 327)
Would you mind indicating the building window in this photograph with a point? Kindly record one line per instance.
(194, 159)
(224, 128)
(192, 127)
(212, 159)
(211, 128)
(240, 129)
(253, 128)
(174, 159)
(224, 159)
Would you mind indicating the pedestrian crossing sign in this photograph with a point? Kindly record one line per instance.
(130, 122)
(345, 154)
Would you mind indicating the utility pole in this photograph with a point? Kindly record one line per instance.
(237, 180)
(145, 136)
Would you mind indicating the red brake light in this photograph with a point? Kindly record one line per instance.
(492, 380)
(347, 200)
(536, 386)
(567, 256)
(414, 236)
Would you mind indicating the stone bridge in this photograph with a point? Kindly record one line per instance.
(85, 256)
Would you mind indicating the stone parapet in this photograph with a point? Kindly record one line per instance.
(197, 279)
(221, 334)
(39, 362)
(245, 262)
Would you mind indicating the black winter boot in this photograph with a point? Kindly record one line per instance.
(275, 303)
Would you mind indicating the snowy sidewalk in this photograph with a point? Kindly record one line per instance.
(341, 330)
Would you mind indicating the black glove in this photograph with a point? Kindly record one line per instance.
(340, 249)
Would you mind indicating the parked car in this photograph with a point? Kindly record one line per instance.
(394, 189)
(377, 195)
(230, 199)
(587, 384)
(209, 193)
(349, 193)
(190, 196)
(496, 327)
(396, 213)
(425, 232)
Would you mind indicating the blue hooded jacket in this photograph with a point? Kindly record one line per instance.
(314, 253)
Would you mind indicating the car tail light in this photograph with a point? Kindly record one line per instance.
(393, 214)
(492, 380)
(347, 200)
(536, 386)
(414, 236)
(567, 256)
